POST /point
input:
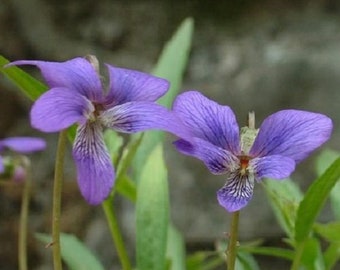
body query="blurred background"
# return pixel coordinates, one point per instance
(262, 55)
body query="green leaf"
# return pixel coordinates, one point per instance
(170, 66)
(202, 260)
(173, 60)
(175, 249)
(324, 160)
(284, 197)
(152, 213)
(126, 187)
(27, 84)
(269, 251)
(74, 253)
(332, 255)
(312, 258)
(113, 142)
(245, 261)
(329, 231)
(314, 200)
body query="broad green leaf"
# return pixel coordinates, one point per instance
(175, 249)
(312, 258)
(152, 213)
(74, 253)
(332, 255)
(324, 160)
(329, 231)
(284, 197)
(170, 66)
(314, 200)
(27, 84)
(269, 251)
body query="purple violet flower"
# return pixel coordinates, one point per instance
(22, 145)
(283, 140)
(76, 95)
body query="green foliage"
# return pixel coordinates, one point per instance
(74, 253)
(314, 200)
(26, 83)
(175, 249)
(170, 66)
(284, 197)
(312, 258)
(325, 159)
(152, 213)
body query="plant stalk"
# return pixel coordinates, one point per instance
(232, 245)
(116, 234)
(23, 222)
(57, 189)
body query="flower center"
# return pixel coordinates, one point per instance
(96, 111)
(244, 162)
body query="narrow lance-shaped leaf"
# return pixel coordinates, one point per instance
(314, 200)
(26, 83)
(175, 249)
(324, 160)
(170, 66)
(74, 253)
(152, 213)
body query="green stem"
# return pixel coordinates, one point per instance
(232, 245)
(58, 184)
(298, 255)
(116, 234)
(22, 243)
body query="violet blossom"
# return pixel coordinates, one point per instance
(284, 139)
(23, 145)
(76, 95)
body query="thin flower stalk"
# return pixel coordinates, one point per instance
(23, 223)
(57, 189)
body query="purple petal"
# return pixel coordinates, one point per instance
(237, 192)
(208, 120)
(23, 144)
(217, 160)
(58, 109)
(276, 167)
(130, 85)
(95, 171)
(133, 117)
(2, 168)
(292, 133)
(76, 74)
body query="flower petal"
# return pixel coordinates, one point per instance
(2, 168)
(136, 116)
(58, 109)
(208, 120)
(292, 133)
(23, 144)
(215, 158)
(76, 74)
(276, 167)
(237, 192)
(130, 85)
(95, 171)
